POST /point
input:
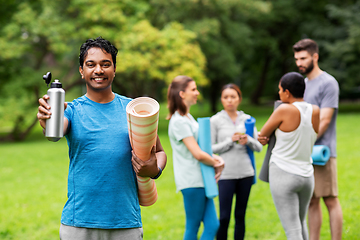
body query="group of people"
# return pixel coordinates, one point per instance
(102, 193)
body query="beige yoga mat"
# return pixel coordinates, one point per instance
(143, 117)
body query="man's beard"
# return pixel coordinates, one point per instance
(307, 69)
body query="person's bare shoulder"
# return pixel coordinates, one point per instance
(286, 108)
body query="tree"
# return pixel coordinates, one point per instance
(344, 49)
(152, 58)
(222, 30)
(327, 22)
(250, 42)
(41, 36)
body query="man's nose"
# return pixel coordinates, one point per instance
(98, 69)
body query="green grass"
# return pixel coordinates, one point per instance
(33, 183)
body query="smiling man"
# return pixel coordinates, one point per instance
(102, 192)
(322, 90)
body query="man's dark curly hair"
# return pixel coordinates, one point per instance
(101, 43)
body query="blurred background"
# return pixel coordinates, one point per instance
(213, 41)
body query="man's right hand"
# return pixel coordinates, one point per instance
(44, 110)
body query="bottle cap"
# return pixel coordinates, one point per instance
(47, 78)
(56, 84)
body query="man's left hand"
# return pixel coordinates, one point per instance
(147, 168)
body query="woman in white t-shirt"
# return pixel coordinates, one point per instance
(296, 124)
(187, 155)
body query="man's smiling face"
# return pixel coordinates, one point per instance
(98, 70)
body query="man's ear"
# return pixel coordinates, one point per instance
(81, 72)
(316, 57)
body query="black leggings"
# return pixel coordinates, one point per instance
(227, 188)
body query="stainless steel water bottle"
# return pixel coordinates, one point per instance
(54, 129)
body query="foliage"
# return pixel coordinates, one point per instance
(214, 41)
(250, 43)
(333, 24)
(41, 36)
(149, 56)
(344, 51)
(222, 30)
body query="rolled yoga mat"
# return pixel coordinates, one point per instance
(208, 172)
(320, 154)
(142, 117)
(264, 171)
(249, 126)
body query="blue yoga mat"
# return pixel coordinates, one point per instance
(320, 154)
(208, 172)
(249, 126)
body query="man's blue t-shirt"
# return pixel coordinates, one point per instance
(102, 187)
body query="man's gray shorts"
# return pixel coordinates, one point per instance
(76, 233)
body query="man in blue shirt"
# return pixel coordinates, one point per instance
(102, 192)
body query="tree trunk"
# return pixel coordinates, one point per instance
(215, 87)
(255, 97)
(17, 134)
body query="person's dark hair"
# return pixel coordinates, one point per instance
(294, 82)
(101, 43)
(306, 44)
(232, 86)
(175, 102)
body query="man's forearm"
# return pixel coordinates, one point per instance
(161, 159)
(322, 128)
(325, 119)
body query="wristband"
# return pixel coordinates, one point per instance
(157, 175)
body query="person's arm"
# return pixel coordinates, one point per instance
(44, 113)
(220, 147)
(216, 146)
(216, 161)
(315, 119)
(325, 119)
(253, 142)
(152, 167)
(196, 151)
(226, 144)
(274, 121)
(160, 155)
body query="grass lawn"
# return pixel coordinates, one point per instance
(33, 183)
